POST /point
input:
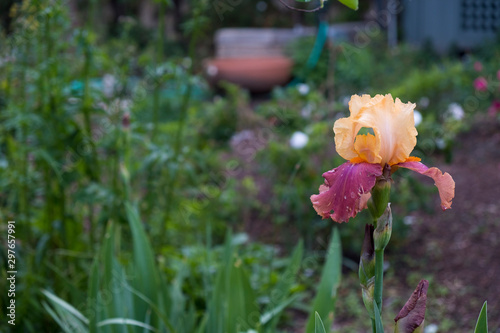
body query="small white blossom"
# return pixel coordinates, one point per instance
(424, 102)
(299, 140)
(306, 111)
(440, 143)
(345, 101)
(212, 70)
(431, 328)
(108, 85)
(303, 88)
(409, 220)
(417, 116)
(456, 111)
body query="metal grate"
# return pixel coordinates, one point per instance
(480, 15)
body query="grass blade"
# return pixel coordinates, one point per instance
(64, 305)
(127, 322)
(324, 302)
(318, 324)
(353, 4)
(482, 320)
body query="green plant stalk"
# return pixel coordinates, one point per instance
(23, 199)
(379, 208)
(180, 129)
(86, 110)
(379, 277)
(159, 59)
(52, 113)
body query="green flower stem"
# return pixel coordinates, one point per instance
(380, 210)
(379, 277)
(172, 181)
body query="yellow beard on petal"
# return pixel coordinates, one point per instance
(366, 148)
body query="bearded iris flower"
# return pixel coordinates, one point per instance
(379, 134)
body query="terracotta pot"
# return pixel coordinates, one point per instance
(254, 74)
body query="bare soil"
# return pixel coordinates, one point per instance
(461, 247)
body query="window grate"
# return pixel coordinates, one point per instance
(480, 15)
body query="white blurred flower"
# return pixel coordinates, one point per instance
(212, 70)
(108, 85)
(456, 111)
(306, 111)
(431, 328)
(424, 102)
(303, 88)
(409, 220)
(417, 116)
(126, 105)
(440, 143)
(299, 140)
(345, 100)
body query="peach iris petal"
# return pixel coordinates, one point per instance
(345, 190)
(365, 146)
(345, 130)
(391, 121)
(444, 182)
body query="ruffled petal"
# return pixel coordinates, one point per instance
(444, 182)
(344, 138)
(346, 130)
(394, 126)
(344, 191)
(392, 123)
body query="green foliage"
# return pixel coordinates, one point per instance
(128, 293)
(482, 320)
(326, 295)
(353, 4)
(319, 327)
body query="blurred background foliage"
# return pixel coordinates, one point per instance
(125, 170)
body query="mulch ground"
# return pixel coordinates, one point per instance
(461, 247)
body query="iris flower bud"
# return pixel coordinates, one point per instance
(383, 231)
(367, 270)
(411, 317)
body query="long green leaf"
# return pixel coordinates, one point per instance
(66, 306)
(56, 317)
(482, 320)
(318, 324)
(282, 289)
(146, 274)
(126, 321)
(326, 295)
(273, 313)
(353, 4)
(93, 295)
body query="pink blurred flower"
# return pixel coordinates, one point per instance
(480, 84)
(478, 66)
(494, 108)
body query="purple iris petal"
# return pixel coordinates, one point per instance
(344, 189)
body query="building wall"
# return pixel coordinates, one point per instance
(464, 23)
